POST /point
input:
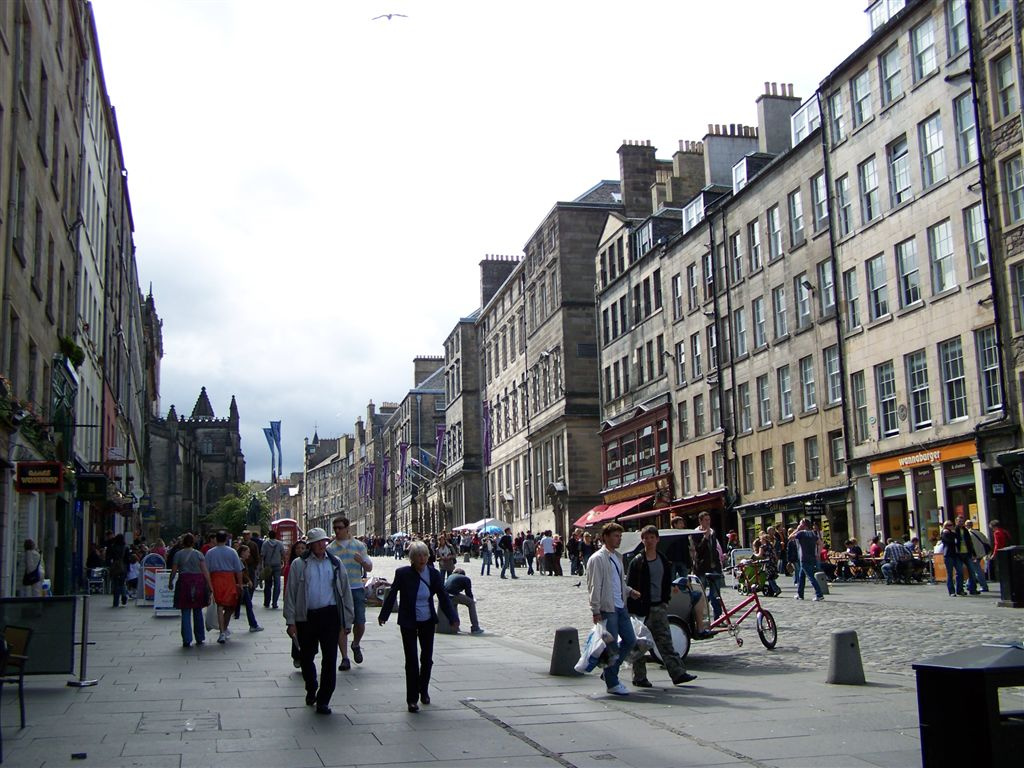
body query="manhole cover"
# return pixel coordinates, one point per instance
(178, 722)
(604, 756)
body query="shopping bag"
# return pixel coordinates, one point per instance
(644, 640)
(211, 617)
(593, 648)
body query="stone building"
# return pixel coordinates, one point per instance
(323, 480)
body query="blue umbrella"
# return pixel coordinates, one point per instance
(492, 529)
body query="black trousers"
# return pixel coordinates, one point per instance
(417, 675)
(320, 631)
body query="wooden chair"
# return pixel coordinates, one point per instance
(13, 669)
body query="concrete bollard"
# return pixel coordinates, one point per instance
(444, 627)
(844, 664)
(565, 652)
(822, 580)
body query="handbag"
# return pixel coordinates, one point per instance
(31, 577)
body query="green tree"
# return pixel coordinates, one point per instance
(237, 511)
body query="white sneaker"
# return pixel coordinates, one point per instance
(619, 690)
(819, 598)
(227, 633)
(222, 638)
(257, 628)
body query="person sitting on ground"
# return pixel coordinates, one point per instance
(460, 588)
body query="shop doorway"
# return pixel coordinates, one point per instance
(895, 521)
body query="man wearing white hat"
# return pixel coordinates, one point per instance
(317, 606)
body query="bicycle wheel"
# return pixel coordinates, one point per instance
(767, 630)
(680, 631)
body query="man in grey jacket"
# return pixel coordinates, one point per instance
(606, 580)
(272, 557)
(317, 605)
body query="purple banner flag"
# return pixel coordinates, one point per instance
(387, 473)
(275, 428)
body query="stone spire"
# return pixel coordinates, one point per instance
(202, 409)
(233, 411)
(172, 415)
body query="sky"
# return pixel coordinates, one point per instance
(313, 189)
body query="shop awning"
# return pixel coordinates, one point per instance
(602, 513)
(642, 515)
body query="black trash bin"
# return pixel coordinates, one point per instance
(958, 707)
(1010, 566)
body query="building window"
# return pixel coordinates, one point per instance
(940, 253)
(698, 415)
(764, 402)
(796, 219)
(695, 354)
(977, 247)
(691, 286)
(677, 297)
(736, 255)
(917, 384)
(718, 467)
(836, 453)
(1013, 184)
(774, 233)
(702, 473)
(878, 291)
(807, 387)
(933, 158)
(683, 417)
(954, 383)
(826, 288)
(860, 97)
(1004, 86)
(995, 7)
(788, 463)
(966, 136)
(833, 376)
(860, 407)
(890, 75)
(819, 201)
(899, 171)
(812, 458)
(922, 44)
(748, 472)
(754, 243)
(779, 309)
(785, 393)
(708, 264)
(680, 356)
(844, 205)
(836, 110)
(684, 473)
(956, 26)
(743, 396)
(767, 469)
(740, 330)
(988, 369)
(802, 291)
(909, 275)
(760, 337)
(867, 178)
(885, 386)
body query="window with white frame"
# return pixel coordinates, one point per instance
(1017, 286)
(956, 26)
(909, 273)
(698, 415)
(767, 469)
(833, 375)
(1013, 187)
(966, 136)
(754, 244)
(774, 233)
(917, 386)
(808, 391)
(748, 472)
(695, 358)
(785, 392)
(977, 246)
(988, 368)
(836, 453)
(1004, 86)
(788, 463)
(718, 468)
(712, 342)
(933, 150)
(760, 332)
(899, 171)
(802, 291)
(922, 47)
(805, 120)
(739, 176)
(684, 471)
(812, 458)
(867, 179)
(940, 254)
(683, 419)
(852, 291)
(680, 356)
(743, 397)
(736, 257)
(878, 289)
(764, 402)
(837, 128)
(796, 218)
(702, 473)
(826, 287)
(779, 310)
(885, 388)
(691, 287)
(740, 331)
(844, 205)
(819, 201)
(890, 75)
(860, 97)
(708, 263)
(995, 7)
(954, 381)
(677, 296)
(858, 391)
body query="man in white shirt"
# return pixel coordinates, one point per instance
(547, 548)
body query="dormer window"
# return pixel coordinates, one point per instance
(805, 120)
(693, 213)
(739, 176)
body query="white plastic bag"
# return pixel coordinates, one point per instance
(644, 639)
(590, 653)
(939, 548)
(212, 622)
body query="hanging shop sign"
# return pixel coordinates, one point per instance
(39, 477)
(91, 486)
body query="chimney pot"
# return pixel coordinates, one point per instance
(774, 86)
(766, 87)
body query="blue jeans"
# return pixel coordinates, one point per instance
(953, 566)
(485, 563)
(272, 586)
(713, 583)
(619, 626)
(974, 576)
(807, 572)
(190, 617)
(508, 564)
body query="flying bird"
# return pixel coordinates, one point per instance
(389, 16)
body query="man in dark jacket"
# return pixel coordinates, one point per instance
(506, 545)
(650, 574)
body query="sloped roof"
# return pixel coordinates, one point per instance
(202, 409)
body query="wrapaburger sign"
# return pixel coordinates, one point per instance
(39, 477)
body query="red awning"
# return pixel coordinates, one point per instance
(604, 512)
(642, 515)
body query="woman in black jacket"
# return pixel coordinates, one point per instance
(117, 568)
(417, 584)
